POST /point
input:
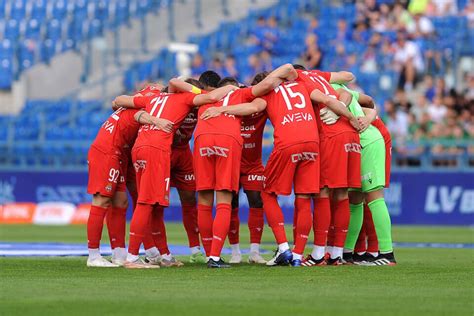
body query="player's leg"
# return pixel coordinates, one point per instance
(205, 220)
(372, 241)
(189, 211)
(341, 216)
(116, 225)
(234, 231)
(303, 226)
(383, 226)
(356, 205)
(282, 183)
(104, 173)
(256, 224)
(220, 228)
(321, 224)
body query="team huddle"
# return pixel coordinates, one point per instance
(330, 149)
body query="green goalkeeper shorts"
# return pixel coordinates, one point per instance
(373, 166)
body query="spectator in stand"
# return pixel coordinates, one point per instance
(397, 121)
(313, 56)
(314, 26)
(469, 12)
(254, 67)
(343, 34)
(442, 8)
(408, 62)
(420, 27)
(420, 108)
(217, 65)
(230, 68)
(360, 34)
(437, 110)
(400, 17)
(197, 66)
(266, 61)
(266, 33)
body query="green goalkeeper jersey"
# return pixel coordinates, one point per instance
(371, 134)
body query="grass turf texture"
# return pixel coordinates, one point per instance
(426, 281)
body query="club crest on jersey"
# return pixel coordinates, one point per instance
(108, 187)
(214, 150)
(139, 164)
(309, 156)
(352, 147)
(296, 117)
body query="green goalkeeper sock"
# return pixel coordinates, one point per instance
(355, 224)
(383, 226)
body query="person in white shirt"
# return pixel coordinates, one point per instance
(408, 61)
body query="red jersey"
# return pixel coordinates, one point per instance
(252, 134)
(315, 79)
(171, 106)
(382, 128)
(185, 131)
(225, 124)
(117, 134)
(291, 113)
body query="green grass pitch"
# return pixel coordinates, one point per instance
(425, 282)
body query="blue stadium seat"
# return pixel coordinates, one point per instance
(18, 10)
(33, 29)
(54, 29)
(38, 10)
(6, 73)
(12, 29)
(27, 54)
(59, 9)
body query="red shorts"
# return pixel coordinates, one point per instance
(340, 161)
(388, 161)
(105, 173)
(293, 166)
(217, 162)
(182, 171)
(251, 177)
(152, 166)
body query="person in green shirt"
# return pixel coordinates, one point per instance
(373, 182)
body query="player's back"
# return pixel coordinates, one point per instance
(118, 132)
(315, 79)
(170, 106)
(224, 124)
(252, 134)
(290, 110)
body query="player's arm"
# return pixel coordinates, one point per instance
(177, 85)
(366, 101)
(336, 106)
(125, 101)
(344, 96)
(365, 121)
(243, 109)
(144, 117)
(341, 77)
(274, 79)
(213, 96)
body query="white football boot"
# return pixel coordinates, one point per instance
(236, 258)
(255, 257)
(100, 262)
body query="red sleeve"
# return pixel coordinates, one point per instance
(246, 95)
(140, 102)
(325, 74)
(188, 98)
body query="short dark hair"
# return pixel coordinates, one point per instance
(209, 78)
(228, 81)
(165, 89)
(259, 77)
(298, 66)
(195, 83)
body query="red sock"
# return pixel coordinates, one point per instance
(330, 241)
(321, 220)
(274, 216)
(220, 228)
(158, 230)
(255, 224)
(139, 227)
(361, 244)
(295, 220)
(372, 242)
(303, 224)
(95, 224)
(341, 222)
(234, 227)
(191, 225)
(116, 225)
(205, 226)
